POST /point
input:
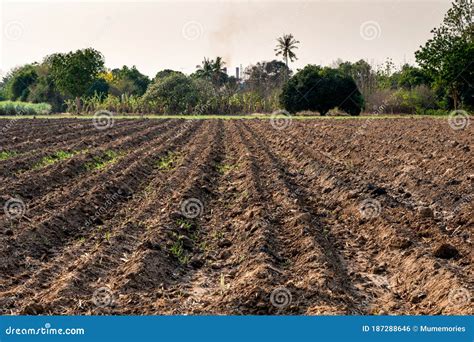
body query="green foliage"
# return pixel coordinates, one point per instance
(102, 161)
(213, 71)
(412, 101)
(44, 91)
(224, 168)
(165, 73)
(448, 56)
(363, 74)
(19, 81)
(129, 81)
(99, 87)
(175, 94)
(177, 250)
(24, 108)
(168, 162)
(184, 223)
(75, 72)
(286, 44)
(266, 78)
(53, 158)
(410, 77)
(118, 104)
(321, 89)
(4, 155)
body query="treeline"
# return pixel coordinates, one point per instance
(79, 82)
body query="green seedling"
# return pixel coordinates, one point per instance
(168, 162)
(4, 155)
(224, 168)
(102, 161)
(184, 224)
(107, 236)
(53, 158)
(178, 251)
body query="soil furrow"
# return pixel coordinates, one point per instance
(43, 235)
(343, 187)
(37, 182)
(107, 243)
(23, 162)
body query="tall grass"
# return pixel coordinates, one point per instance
(237, 103)
(23, 108)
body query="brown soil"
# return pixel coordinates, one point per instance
(320, 217)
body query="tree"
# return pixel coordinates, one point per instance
(165, 73)
(75, 72)
(410, 77)
(362, 73)
(286, 44)
(45, 90)
(99, 88)
(266, 77)
(448, 57)
(321, 89)
(176, 93)
(129, 81)
(19, 81)
(212, 70)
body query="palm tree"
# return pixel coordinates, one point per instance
(285, 47)
(213, 70)
(218, 65)
(206, 69)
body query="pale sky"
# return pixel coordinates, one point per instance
(154, 35)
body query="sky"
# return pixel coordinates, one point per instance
(156, 35)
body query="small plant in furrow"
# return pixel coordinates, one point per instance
(184, 224)
(4, 155)
(54, 158)
(203, 246)
(177, 249)
(102, 161)
(224, 168)
(167, 162)
(107, 236)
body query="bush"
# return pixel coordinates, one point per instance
(24, 108)
(321, 89)
(418, 100)
(19, 82)
(175, 94)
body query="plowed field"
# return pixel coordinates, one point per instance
(236, 217)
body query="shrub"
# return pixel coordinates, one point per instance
(321, 89)
(176, 94)
(24, 108)
(418, 100)
(19, 81)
